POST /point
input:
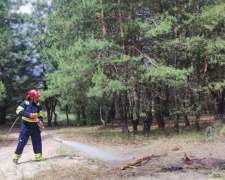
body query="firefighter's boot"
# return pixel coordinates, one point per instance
(38, 157)
(16, 158)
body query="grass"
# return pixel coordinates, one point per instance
(204, 171)
(22, 174)
(54, 168)
(3, 176)
(215, 173)
(1, 138)
(84, 171)
(114, 136)
(62, 150)
(72, 172)
(155, 142)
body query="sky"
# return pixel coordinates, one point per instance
(26, 9)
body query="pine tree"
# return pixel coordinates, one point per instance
(135, 53)
(6, 46)
(16, 66)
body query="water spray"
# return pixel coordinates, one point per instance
(90, 150)
(94, 151)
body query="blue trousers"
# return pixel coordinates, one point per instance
(35, 135)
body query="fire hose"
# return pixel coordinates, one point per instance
(43, 128)
(9, 132)
(46, 131)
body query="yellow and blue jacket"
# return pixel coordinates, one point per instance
(27, 107)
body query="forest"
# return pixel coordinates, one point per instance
(115, 61)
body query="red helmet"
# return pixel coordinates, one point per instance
(33, 93)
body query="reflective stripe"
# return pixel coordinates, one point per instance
(16, 156)
(25, 118)
(28, 119)
(40, 114)
(20, 108)
(35, 114)
(38, 157)
(27, 103)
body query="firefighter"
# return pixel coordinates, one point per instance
(32, 119)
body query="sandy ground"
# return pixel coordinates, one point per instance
(52, 155)
(57, 154)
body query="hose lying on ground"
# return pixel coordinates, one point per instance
(9, 132)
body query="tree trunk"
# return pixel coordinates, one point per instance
(160, 7)
(52, 106)
(176, 120)
(158, 116)
(50, 103)
(67, 115)
(78, 114)
(121, 26)
(198, 94)
(136, 103)
(3, 105)
(55, 120)
(103, 20)
(213, 92)
(112, 112)
(222, 106)
(3, 109)
(119, 113)
(83, 115)
(135, 109)
(186, 121)
(108, 115)
(165, 104)
(124, 103)
(47, 103)
(148, 109)
(120, 104)
(101, 117)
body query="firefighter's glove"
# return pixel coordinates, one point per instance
(33, 116)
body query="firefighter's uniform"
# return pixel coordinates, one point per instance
(29, 127)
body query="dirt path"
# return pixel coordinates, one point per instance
(53, 154)
(59, 158)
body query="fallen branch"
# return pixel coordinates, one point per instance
(187, 159)
(140, 160)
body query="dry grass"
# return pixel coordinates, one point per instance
(138, 145)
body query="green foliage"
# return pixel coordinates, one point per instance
(213, 15)
(219, 85)
(2, 91)
(192, 44)
(156, 45)
(155, 27)
(222, 131)
(165, 73)
(216, 49)
(17, 61)
(215, 130)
